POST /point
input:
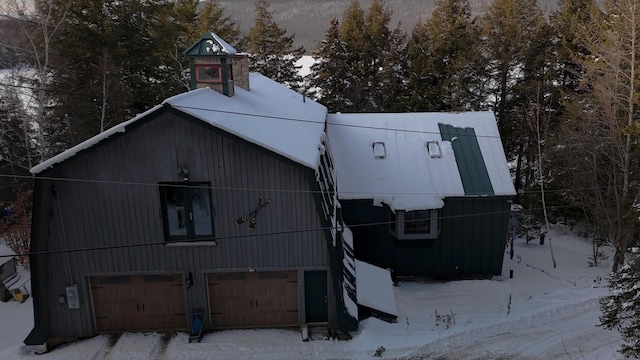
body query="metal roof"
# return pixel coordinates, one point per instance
(427, 157)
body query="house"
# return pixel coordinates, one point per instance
(8, 272)
(207, 203)
(225, 205)
(425, 194)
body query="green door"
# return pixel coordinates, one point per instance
(315, 295)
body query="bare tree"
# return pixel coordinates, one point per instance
(603, 137)
(38, 22)
(538, 121)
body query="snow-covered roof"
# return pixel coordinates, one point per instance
(210, 44)
(386, 157)
(225, 46)
(6, 254)
(375, 288)
(270, 115)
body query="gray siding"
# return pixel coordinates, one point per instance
(115, 219)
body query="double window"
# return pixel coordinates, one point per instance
(415, 225)
(187, 211)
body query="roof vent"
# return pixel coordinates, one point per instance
(433, 147)
(379, 151)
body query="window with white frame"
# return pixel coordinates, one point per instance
(415, 225)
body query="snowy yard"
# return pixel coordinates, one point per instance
(542, 313)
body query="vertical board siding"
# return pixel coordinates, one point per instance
(120, 207)
(471, 241)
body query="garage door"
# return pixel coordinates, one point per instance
(138, 302)
(253, 299)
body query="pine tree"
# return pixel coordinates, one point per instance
(386, 50)
(568, 24)
(446, 69)
(17, 150)
(352, 32)
(362, 62)
(212, 17)
(117, 58)
(270, 51)
(109, 54)
(180, 25)
(516, 46)
(327, 79)
(621, 308)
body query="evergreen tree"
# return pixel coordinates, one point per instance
(621, 308)
(386, 50)
(212, 17)
(568, 23)
(362, 62)
(17, 150)
(327, 79)
(109, 53)
(117, 58)
(181, 24)
(352, 32)
(445, 64)
(270, 51)
(517, 52)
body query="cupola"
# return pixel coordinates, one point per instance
(214, 63)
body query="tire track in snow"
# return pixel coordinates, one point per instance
(515, 338)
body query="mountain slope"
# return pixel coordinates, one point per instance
(309, 19)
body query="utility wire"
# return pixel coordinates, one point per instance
(332, 124)
(293, 119)
(231, 237)
(235, 188)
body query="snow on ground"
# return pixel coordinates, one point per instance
(541, 313)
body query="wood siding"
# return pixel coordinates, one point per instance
(107, 206)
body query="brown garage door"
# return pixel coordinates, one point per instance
(138, 302)
(253, 299)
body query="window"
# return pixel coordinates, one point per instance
(415, 225)
(208, 73)
(187, 211)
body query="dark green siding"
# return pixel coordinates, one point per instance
(471, 241)
(473, 171)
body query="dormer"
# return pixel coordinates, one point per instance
(212, 61)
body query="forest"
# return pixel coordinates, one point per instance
(564, 85)
(309, 19)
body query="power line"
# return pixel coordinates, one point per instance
(235, 188)
(293, 119)
(339, 125)
(286, 118)
(231, 237)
